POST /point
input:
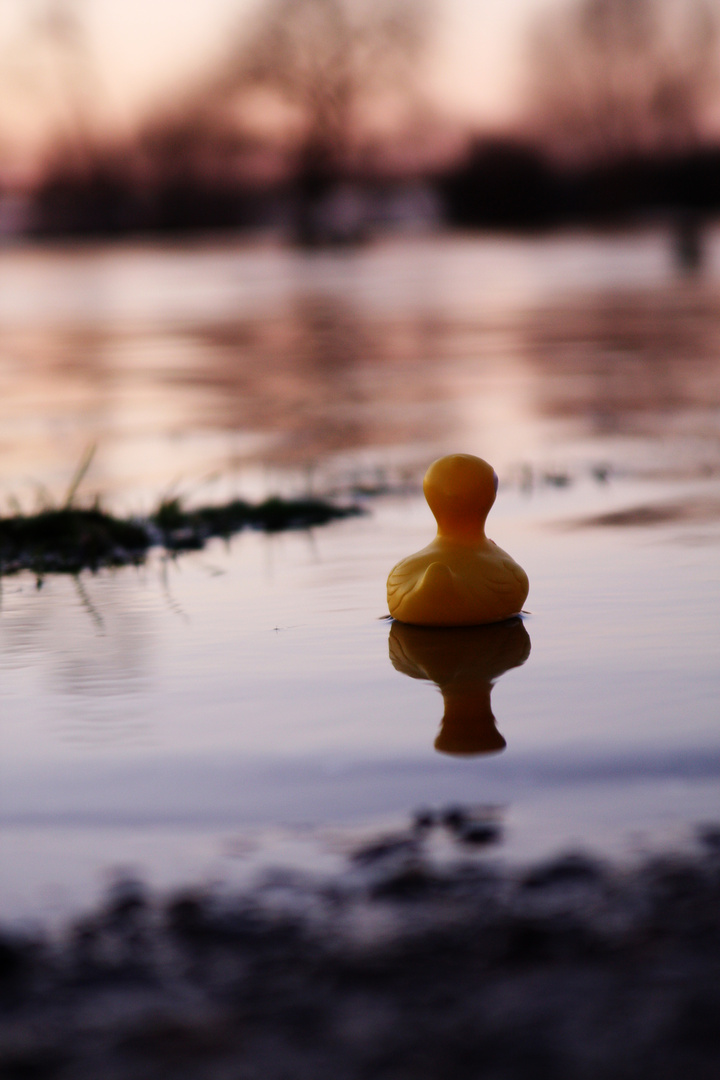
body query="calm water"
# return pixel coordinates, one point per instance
(201, 717)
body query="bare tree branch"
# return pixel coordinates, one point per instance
(611, 78)
(334, 65)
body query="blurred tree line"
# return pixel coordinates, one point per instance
(306, 113)
(621, 99)
(316, 119)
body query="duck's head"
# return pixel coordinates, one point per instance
(460, 489)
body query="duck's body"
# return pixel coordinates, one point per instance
(450, 584)
(461, 578)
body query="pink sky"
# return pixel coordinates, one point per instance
(142, 49)
(141, 44)
(480, 43)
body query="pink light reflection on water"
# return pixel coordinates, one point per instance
(150, 713)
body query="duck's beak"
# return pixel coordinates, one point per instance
(495, 480)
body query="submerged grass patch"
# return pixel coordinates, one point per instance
(180, 528)
(70, 538)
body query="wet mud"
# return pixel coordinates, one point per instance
(395, 969)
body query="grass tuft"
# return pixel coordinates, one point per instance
(70, 538)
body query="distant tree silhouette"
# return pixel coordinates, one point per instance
(501, 183)
(613, 79)
(48, 76)
(337, 73)
(83, 171)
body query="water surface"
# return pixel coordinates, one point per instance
(200, 716)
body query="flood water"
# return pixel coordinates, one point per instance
(205, 716)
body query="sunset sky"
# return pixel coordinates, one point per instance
(145, 42)
(142, 50)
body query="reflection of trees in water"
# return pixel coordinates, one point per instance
(61, 387)
(319, 376)
(91, 649)
(73, 353)
(323, 378)
(622, 362)
(327, 373)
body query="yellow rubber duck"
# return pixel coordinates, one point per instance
(461, 578)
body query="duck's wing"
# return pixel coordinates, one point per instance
(404, 576)
(428, 596)
(503, 576)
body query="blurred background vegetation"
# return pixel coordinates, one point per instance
(318, 120)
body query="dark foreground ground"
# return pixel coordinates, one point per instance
(397, 970)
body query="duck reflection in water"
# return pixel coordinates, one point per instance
(464, 662)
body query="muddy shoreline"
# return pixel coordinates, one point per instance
(395, 969)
